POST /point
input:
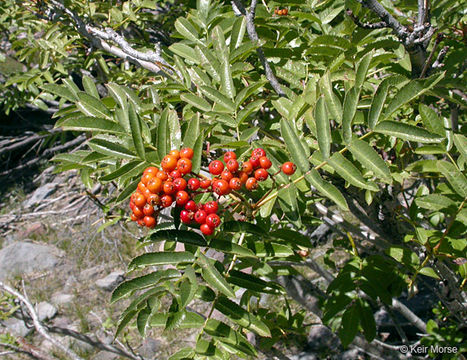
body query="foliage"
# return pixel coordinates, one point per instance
(361, 128)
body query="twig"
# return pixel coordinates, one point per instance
(253, 35)
(395, 25)
(37, 324)
(409, 315)
(27, 349)
(422, 12)
(356, 20)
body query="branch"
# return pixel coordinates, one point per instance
(253, 35)
(422, 12)
(37, 324)
(356, 20)
(391, 22)
(439, 60)
(409, 315)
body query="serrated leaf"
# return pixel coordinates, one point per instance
(252, 282)
(126, 193)
(187, 292)
(209, 62)
(246, 92)
(411, 91)
(428, 271)
(323, 128)
(231, 248)
(430, 150)
(192, 132)
(242, 317)
(185, 52)
(90, 87)
(252, 107)
(183, 236)
(362, 70)
(367, 321)
(61, 91)
(350, 107)
(294, 145)
(461, 144)
(142, 282)
(291, 237)
(214, 278)
(196, 101)
(455, 178)
(334, 106)
(349, 172)
(161, 258)
(431, 120)
(349, 325)
(111, 148)
(163, 135)
(434, 202)
(118, 94)
(242, 227)
(142, 320)
(228, 87)
(175, 138)
(120, 171)
(197, 153)
(238, 32)
(327, 189)
(124, 321)
(91, 106)
(227, 335)
(135, 127)
(270, 249)
(218, 98)
(87, 123)
(186, 29)
(407, 132)
(369, 158)
(185, 353)
(190, 321)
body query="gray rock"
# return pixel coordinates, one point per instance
(92, 272)
(40, 194)
(35, 229)
(62, 299)
(23, 257)
(322, 338)
(352, 354)
(104, 355)
(111, 281)
(45, 311)
(17, 327)
(149, 348)
(304, 356)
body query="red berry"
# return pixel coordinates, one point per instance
(149, 221)
(193, 184)
(221, 187)
(175, 153)
(243, 176)
(169, 188)
(264, 162)
(139, 200)
(206, 229)
(289, 168)
(140, 222)
(261, 174)
(141, 187)
(247, 167)
(232, 165)
(169, 163)
(133, 217)
(213, 220)
(166, 200)
(162, 175)
(229, 155)
(186, 216)
(148, 210)
(251, 183)
(205, 183)
(254, 160)
(153, 199)
(151, 170)
(132, 205)
(155, 185)
(138, 212)
(258, 152)
(180, 184)
(186, 153)
(200, 216)
(146, 178)
(211, 207)
(235, 183)
(175, 174)
(191, 206)
(182, 198)
(216, 167)
(226, 175)
(184, 165)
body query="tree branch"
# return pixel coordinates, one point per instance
(356, 20)
(253, 35)
(379, 10)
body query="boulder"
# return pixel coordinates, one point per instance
(22, 257)
(322, 338)
(111, 281)
(62, 299)
(17, 327)
(45, 311)
(40, 194)
(149, 348)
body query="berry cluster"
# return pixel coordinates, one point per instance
(281, 12)
(160, 188)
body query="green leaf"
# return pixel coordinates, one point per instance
(124, 321)
(197, 153)
(110, 148)
(238, 32)
(270, 249)
(183, 236)
(175, 139)
(407, 132)
(434, 202)
(213, 277)
(349, 172)
(192, 132)
(61, 91)
(461, 144)
(187, 292)
(126, 193)
(362, 70)
(218, 98)
(411, 91)
(90, 87)
(227, 335)
(334, 106)
(245, 93)
(430, 150)
(191, 320)
(91, 106)
(120, 171)
(231, 248)
(226, 79)
(87, 123)
(291, 237)
(185, 52)
(294, 146)
(242, 317)
(455, 178)
(142, 282)
(323, 128)
(428, 271)
(251, 282)
(142, 320)
(327, 189)
(161, 258)
(350, 107)
(367, 322)
(196, 101)
(209, 62)
(349, 326)
(135, 126)
(183, 354)
(369, 158)
(251, 108)
(163, 135)
(220, 46)
(242, 227)
(184, 27)
(431, 120)
(118, 94)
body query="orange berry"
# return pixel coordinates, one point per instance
(251, 183)
(289, 168)
(151, 170)
(226, 175)
(169, 163)
(175, 153)
(146, 178)
(166, 200)
(149, 221)
(162, 175)
(138, 212)
(155, 185)
(184, 165)
(186, 153)
(139, 200)
(153, 199)
(169, 188)
(235, 183)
